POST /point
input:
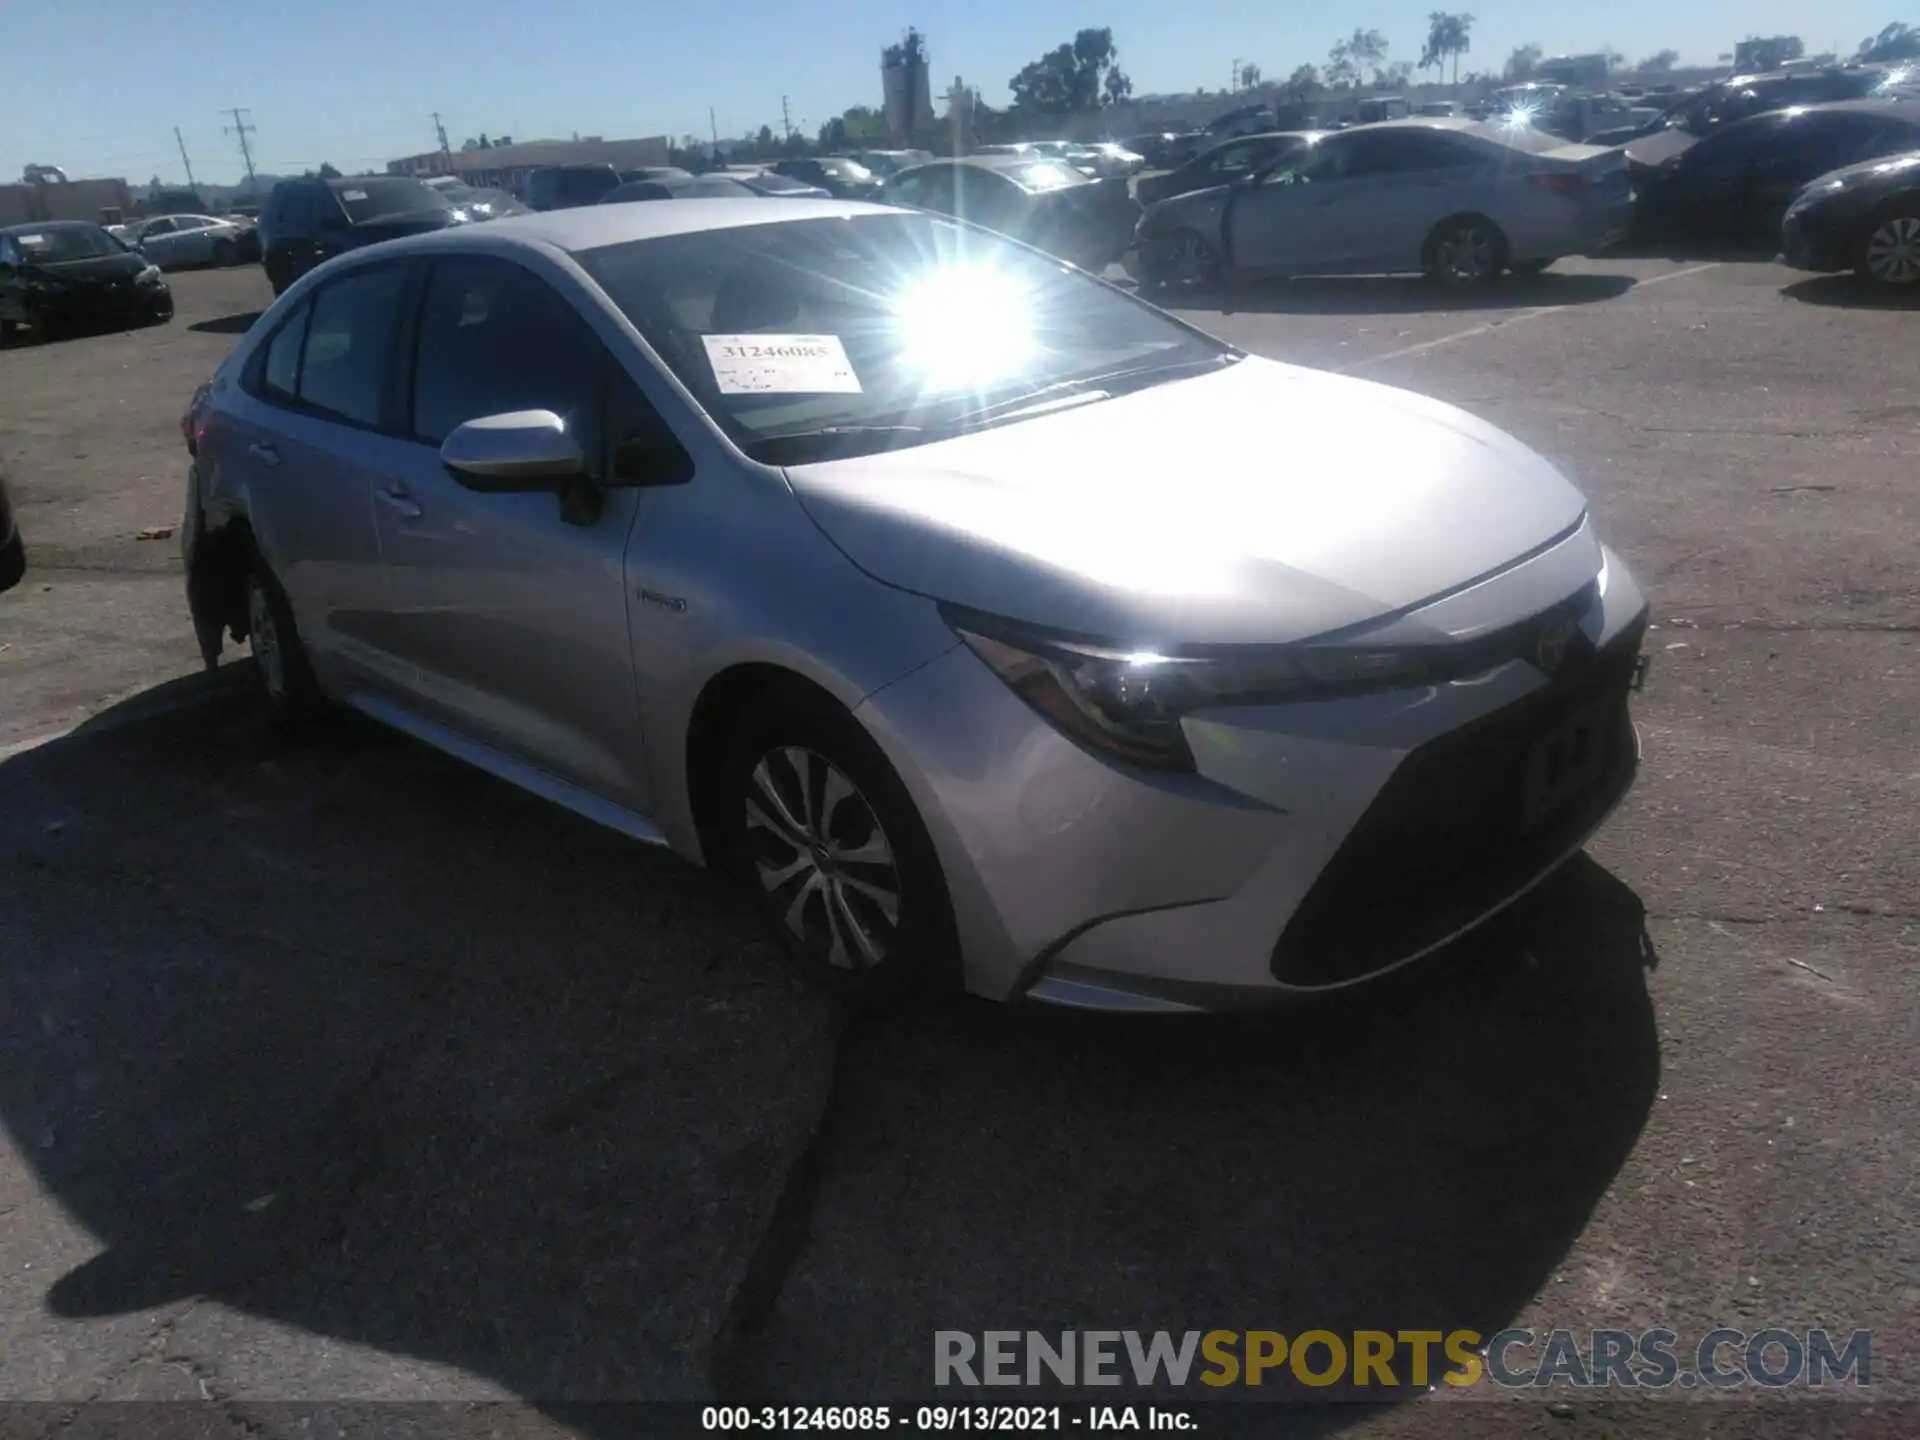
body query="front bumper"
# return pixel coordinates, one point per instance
(1320, 844)
(100, 305)
(1809, 243)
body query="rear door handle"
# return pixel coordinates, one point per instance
(265, 454)
(401, 501)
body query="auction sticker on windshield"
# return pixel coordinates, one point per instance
(781, 365)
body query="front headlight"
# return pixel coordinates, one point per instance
(148, 276)
(1129, 703)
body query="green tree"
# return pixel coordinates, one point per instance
(327, 172)
(1082, 75)
(1895, 42)
(1301, 84)
(1659, 63)
(909, 55)
(1521, 63)
(1448, 37)
(1249, 75)
(1352, 59)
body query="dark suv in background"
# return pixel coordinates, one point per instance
(561, 187)
(306, 222)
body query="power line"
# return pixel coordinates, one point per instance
(183, 158)
(241, 128)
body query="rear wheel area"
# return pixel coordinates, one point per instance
(815, 824)
(287, 683)
(1465, 253)
(225, 254)
(1887, 254)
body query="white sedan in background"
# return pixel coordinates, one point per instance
(173, 241)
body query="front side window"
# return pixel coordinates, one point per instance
(824, 337)
(349, 345)
(495, 338)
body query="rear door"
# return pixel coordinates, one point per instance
(1401, 183)
(513, 615)
(1816, 143)
(310, 427)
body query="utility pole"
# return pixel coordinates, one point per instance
(183, 158)
(1233, 76)
(786, 118)
(441, 131)
(243, 129)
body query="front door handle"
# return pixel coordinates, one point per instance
(265, 454)
(401, 501)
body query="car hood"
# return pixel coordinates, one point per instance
(95, 269)
(1661, 146)
(1261, 503)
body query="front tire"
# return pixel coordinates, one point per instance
(1466, 253)
(816, 825)
(292, 695)
(1183, 262)
(1527, 269)
(1887, 255)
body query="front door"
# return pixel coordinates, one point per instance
(513, 614)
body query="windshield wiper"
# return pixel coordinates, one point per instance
(830, 438)
(1113, 382)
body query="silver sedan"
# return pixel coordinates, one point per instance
(1461, 200)
(959, 606)
(175, 241)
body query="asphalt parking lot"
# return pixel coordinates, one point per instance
(339, 1072)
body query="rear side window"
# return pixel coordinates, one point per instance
(280, 375)
(349, 345)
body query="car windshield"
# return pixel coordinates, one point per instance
(66, 242)
(846, 169)
(378, 196)
(1045, 175)
(820, 338)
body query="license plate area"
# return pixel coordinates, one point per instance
(1565, 762)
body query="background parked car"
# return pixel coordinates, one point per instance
(1705, 110)
(691, 187)
(63, 274)
(1864, 218)
(778, 187)
(1461, 200)
(1738, 181)
(478, 203)
(13, 550)
(1043, 202)
(840, 177)
(890, 162)
(1225, 163)
(559, 187)
(307, 222)
(175, 241)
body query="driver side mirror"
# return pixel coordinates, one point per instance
(517, 451)
(522, 451)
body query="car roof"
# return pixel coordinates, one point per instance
(590, 227)
(40, 227)
(995, 162)
(1900, 108)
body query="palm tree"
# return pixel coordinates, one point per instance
(1447, 37)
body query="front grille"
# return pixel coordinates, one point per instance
(1449, 837)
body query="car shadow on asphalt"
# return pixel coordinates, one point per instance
(227, 324)
(1412, 295)
(1417, 1154)
(346, 1036)
(1848, 292)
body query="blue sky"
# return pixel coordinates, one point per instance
(96, 86)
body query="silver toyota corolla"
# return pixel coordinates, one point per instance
(993, 626)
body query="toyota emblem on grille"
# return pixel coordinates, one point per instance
(1550, 650)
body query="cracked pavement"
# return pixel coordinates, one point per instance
(338, 1072)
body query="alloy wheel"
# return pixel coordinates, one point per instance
(265, 636)
(1465, 255)
(1186, 260)
(1893, 251)
(821, 855)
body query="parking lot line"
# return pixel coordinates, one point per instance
(1510, 320)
